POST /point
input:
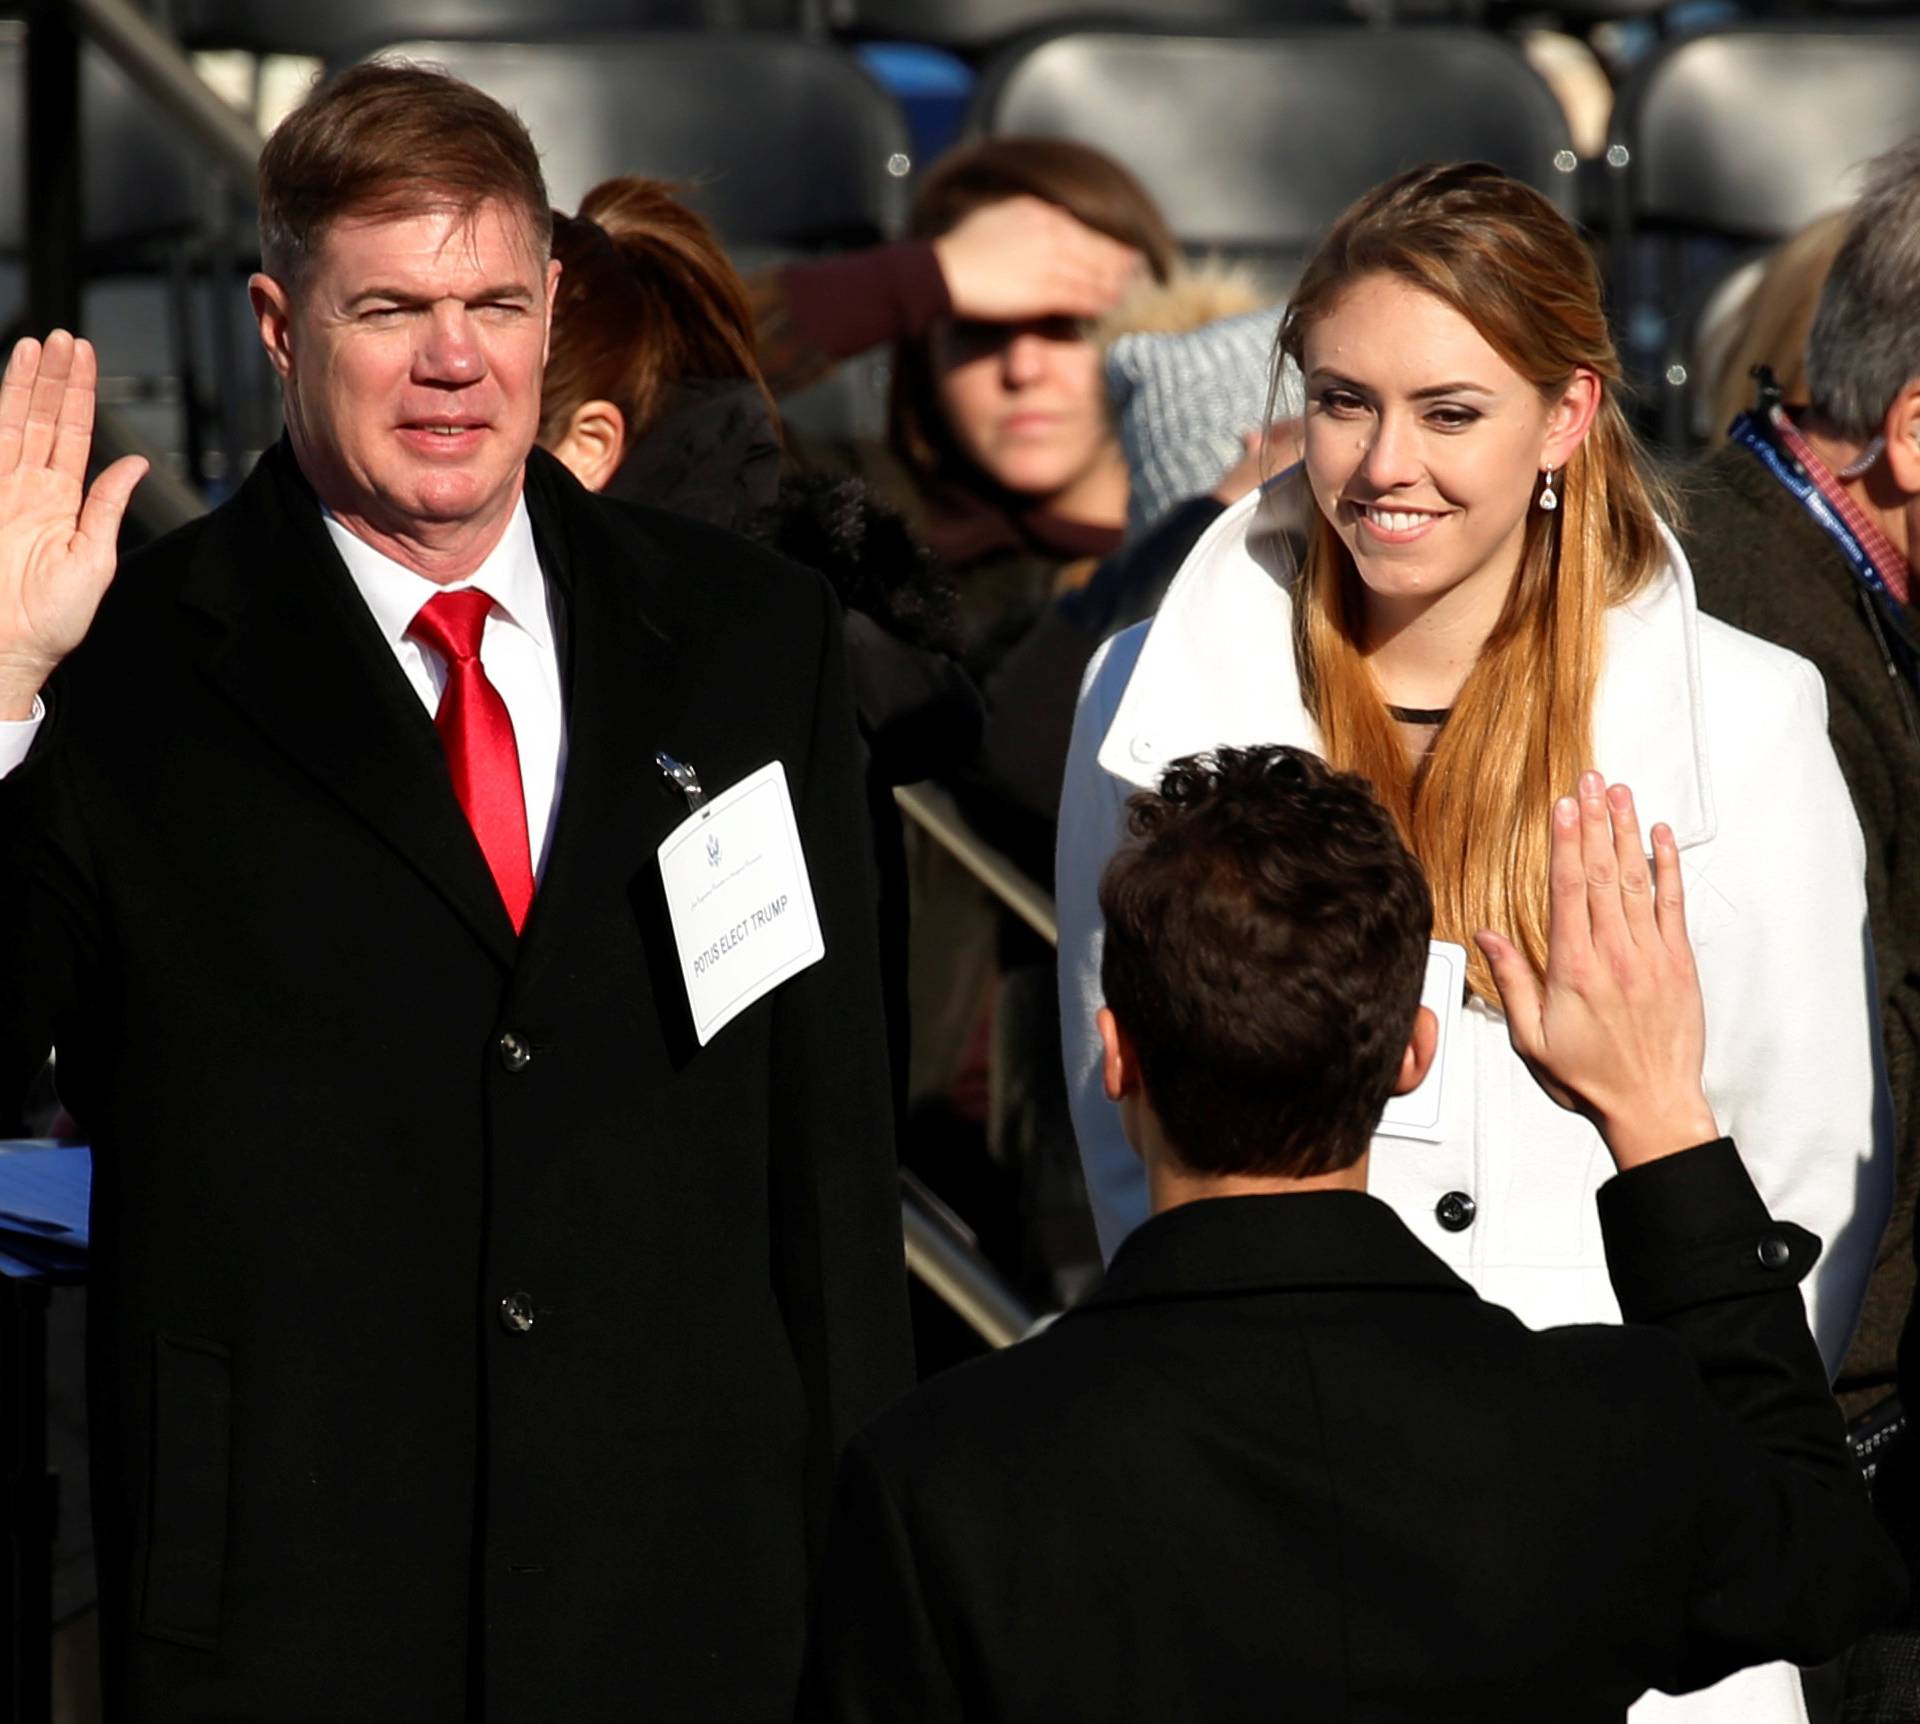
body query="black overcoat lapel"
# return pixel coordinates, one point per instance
(299, 654)
(619, 666)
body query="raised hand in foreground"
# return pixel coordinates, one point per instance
(57, 538)
(1617, 1031)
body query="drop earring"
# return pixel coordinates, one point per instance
(1548, 500)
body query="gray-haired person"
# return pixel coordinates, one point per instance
(1803, 529)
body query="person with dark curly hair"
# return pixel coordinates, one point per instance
(1285, 1463)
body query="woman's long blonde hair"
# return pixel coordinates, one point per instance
(1476, 813)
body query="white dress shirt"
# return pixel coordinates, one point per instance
(516, 651)
(16, 737)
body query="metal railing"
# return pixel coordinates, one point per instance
(935, 812)
(163, 501)
(942, 1256)
(155, 63)
(945, 1258)
(158, 64)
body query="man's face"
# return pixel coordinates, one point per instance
(411, 349)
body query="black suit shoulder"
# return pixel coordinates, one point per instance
(1077, 1382)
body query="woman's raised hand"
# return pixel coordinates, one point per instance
(57, 537)
(1025, 258)
(1617, 1032)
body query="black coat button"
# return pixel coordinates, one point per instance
(516, 1053)
(516, 1313)
(1455, 1211)
(1774, 1252)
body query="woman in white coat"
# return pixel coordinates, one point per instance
(1488, 603)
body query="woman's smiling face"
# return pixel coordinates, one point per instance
(1423, 446)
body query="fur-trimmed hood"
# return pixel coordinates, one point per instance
(1198, 294)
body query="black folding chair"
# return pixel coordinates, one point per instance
(336, 29)
(1252, 141)
(1729, 141)
(779, 141)
(976, 27)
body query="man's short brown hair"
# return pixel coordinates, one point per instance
(1266, 945)
(391, 139)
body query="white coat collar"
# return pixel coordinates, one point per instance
(1217, 666)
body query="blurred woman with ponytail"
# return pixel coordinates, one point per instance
(653, 393)
(652, 390)
(1489, 603)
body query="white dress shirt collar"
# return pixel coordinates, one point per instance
(510, 576)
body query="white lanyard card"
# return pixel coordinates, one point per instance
(737, 893)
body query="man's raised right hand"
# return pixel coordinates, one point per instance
(57, 537)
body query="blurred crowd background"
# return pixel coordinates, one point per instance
(1689, 138)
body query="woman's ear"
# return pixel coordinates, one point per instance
(1571, 417)
(593, 443)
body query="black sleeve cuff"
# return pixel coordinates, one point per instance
(1690, 1229)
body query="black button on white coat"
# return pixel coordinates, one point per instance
(516, 1313)
(1455, 1211)
(515, 1051)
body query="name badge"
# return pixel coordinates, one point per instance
(737, 893)
(1421, 1113)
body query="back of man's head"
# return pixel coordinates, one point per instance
(388, 139)
(1864, 347)
(1266, 944)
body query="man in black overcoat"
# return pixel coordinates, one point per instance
(1284, 1463)
(469, 1339)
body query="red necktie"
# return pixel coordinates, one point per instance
(477, 734)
